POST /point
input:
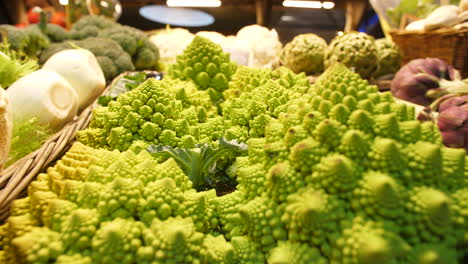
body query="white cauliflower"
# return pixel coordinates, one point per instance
(171, 42)
(265, 45)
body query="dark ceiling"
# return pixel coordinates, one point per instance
(235, 14)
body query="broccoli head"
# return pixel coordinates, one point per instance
(29, 40)
(144, 53)
(90, 26)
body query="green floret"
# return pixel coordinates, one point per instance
(386, 155)
(218, 250)
(120, 198)
(118, 240)
(90, 26)
(56, 213)
(251, 180)
(174, 240)
(110, 56)
(246, 79)
(311, 216)
(336, 174)
(294, 82)
(170, 169)
(367, 242)
(261, 218)
(207, 65)
(40, 245)
(79, 229)
(227, 211)
(305, 154)
(425, 163)
(379, 196)
(282, 180)
(295, 253)
(20, 206)
(162, 199)
(246, 251)
(428, 217)
(197, 206)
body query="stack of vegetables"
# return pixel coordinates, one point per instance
(370, 58)
(336, 172)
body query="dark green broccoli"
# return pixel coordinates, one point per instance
(54, 32)
(110, 56)
(90, 26)
(143, 52)
(147, 56)
(29, 40)
(128, 38)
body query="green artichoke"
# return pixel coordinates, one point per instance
(304, 54)
(389, 57)
(355, 50)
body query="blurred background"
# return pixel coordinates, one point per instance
(325, 18)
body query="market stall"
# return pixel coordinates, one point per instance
(178, 145)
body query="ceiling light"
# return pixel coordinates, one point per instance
(63, 2)
(328, 5)
(193, 3)
(304, 4)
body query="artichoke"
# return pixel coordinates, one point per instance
(354, 50)
(304, 54)
(389, 57)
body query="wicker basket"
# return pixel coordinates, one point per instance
(15, 179)
(450, 45)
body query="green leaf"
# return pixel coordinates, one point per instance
(199, 163)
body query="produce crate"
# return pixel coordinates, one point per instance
(15, 179)
(450, 45)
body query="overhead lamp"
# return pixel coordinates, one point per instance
(308, 4)
(303, 4)
(328, 5)
(193, 3)
(63, 2)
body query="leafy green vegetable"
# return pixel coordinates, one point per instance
(200, 163)
(13, 65)
(27, 137)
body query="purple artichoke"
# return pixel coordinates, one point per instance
(422, 81)
(453, 122)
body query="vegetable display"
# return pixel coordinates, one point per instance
(336, 172)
